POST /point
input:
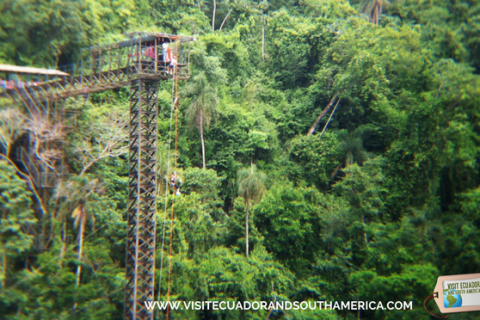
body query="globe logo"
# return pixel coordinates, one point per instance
(451, 299)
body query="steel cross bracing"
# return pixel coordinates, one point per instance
(142, 185)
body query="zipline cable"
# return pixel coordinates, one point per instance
(166, 192)
(175, 81)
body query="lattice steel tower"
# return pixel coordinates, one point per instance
(142, 191)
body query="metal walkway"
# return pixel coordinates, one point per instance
(105, 67)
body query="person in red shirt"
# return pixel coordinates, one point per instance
(150, 53)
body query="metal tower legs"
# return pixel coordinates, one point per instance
(142, 187)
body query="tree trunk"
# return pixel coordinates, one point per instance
(3, 266)
(364, 231)
(246, 230)
(214, 12)
(349, 159)
(203, 141)
(263, 40)
(329, 118)
(3, 263)
(64, 242)
(80, 244)
(28, 180)
(221, 26)
(324, 112)
(335, 171)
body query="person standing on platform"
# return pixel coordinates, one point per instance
(165, 52)
(150, 52)
(172, 65)
(169, 53)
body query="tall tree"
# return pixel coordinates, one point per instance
(78, 191)
(251, 186)
(202, 91)
(214, 13)
(351, 145)
(105, 138)
(373, 8)
(80, 216)
(202, 109)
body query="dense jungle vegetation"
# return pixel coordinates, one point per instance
(374, 208)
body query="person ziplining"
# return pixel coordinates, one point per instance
(175, 182)
(373, 9)
(173, 179)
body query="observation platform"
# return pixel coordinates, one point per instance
(99, 68)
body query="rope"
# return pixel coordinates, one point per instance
(175, 81)
(166, 193)
(157, 166)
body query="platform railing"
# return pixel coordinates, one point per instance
(101, 68)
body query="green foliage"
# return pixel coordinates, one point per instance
(47, 30)
(362, 188)
(205, 182)
(203, 223)
(202, 93)
(290, 51)
(447, 26)
(251, 184)
(17, 218)
(222, 275)
(376, 208)
(289, 219)
(236, 237)
(316, 157)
